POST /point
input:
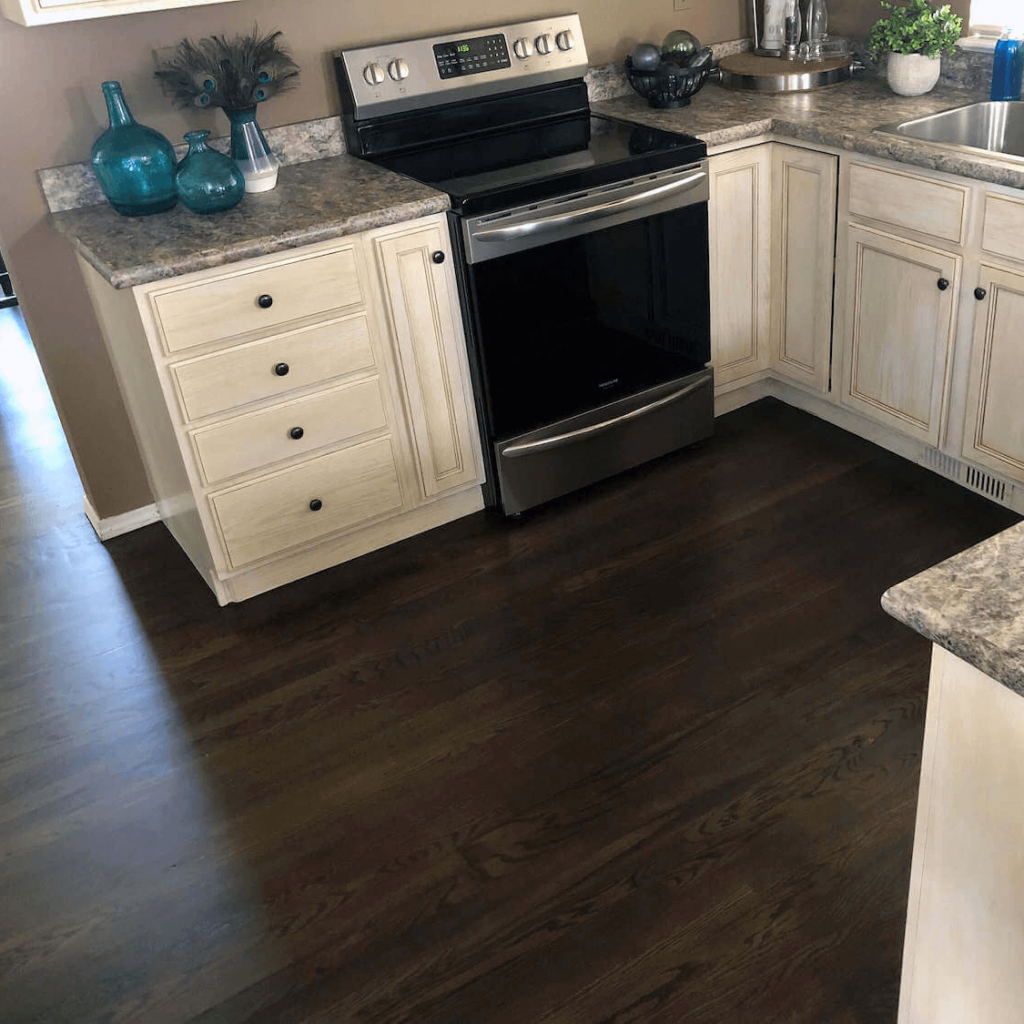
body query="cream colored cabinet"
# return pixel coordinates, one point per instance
(739, 228)
(994, 420)
(900, 322)
(772, 219)
(423, 312)
(803, 261)
(300, 409)
(45, 12)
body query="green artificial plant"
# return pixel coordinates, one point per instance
(917, 28)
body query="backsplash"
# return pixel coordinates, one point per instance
(965, 69)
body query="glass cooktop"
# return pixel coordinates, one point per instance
(510, 167)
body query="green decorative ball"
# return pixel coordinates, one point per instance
(682, 42)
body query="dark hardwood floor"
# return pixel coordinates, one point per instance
(649, 755)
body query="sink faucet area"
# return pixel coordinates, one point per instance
(993, 127)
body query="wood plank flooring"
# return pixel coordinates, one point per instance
(649, 755)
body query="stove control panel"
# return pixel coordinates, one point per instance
(417, 73)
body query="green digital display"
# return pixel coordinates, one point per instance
(463, 47)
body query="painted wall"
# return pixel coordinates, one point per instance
(855, 17)
(53, 111)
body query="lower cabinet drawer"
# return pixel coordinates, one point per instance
(289, 429)
(271, 366)
(308, 501)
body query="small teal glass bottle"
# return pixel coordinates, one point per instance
(134, 164)
(1007, 67)
(208, 181)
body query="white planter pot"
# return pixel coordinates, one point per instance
(910, 74)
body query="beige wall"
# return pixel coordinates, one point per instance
(53, 111)
(855, 17)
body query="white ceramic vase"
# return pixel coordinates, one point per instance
(911, 74)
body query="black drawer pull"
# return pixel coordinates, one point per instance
(315, 505)
(282, 369)
(943, 284)
(265, 301)
(438, 257)
(980, 293)
(296, 433)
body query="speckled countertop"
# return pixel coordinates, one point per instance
(841, 116)
(313, 201)
(973, 605)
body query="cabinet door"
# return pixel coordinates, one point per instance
(416, 269)
(994, 427)
(804, 232)
(739, 224)
(899, 322)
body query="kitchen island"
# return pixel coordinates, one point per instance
(965, 939)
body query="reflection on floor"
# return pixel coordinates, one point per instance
(650, 754)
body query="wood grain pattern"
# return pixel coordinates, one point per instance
(650, 754)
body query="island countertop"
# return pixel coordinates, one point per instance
(972, 605)
(313, 201)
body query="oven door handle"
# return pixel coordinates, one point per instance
(533, 227)
(517, 451)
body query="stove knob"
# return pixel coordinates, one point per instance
(398, 69)
(373, 74)
(564, 40)
(523, 48)
(544, 44)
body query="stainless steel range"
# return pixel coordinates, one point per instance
(583, 247)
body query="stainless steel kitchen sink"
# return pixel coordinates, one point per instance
(996, 128)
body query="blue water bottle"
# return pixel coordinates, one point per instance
(1006, 69)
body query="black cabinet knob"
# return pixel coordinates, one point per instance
(315, 505)
(282, 369)
(438, 257)
(265, 301)
(943, 284)
(980, 293)
(296, 433)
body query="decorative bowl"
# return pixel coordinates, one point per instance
(669, 85)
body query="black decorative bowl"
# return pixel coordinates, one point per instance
(670, 85)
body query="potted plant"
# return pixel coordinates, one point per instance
(914, 36)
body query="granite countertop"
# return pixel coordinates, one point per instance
(840, 116)
(973, 605)
(313, 201)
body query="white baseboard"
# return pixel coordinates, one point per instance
(114, 526)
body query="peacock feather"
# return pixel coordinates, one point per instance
(235, 72)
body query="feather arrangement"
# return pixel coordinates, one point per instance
(232, 73)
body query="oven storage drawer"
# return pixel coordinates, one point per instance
(555, 460)
(308, 501)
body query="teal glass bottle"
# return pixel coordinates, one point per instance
(134, 164)
(208, 181)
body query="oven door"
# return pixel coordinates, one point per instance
(589, 325)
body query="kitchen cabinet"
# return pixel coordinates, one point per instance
(300, 409)
(45, 12)
(772, 244)
(900, 320)
(993, 433)
(739, 225)
(803, 203)
(902, 247)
